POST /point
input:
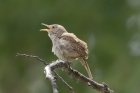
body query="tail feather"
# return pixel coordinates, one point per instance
(85, 64)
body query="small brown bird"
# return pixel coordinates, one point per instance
(66, 46)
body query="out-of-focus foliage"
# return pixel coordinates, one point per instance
(111, 28)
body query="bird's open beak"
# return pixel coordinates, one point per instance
(47, 30)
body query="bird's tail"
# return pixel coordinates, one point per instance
(85, 64)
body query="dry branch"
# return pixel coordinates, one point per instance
(102, 88)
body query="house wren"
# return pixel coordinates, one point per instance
(66, 46)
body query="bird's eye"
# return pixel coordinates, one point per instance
(53, 26)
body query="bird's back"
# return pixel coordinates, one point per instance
(73, 44)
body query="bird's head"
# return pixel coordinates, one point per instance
(54, 30)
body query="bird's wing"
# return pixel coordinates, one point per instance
(74, 43)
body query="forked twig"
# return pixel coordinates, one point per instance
(103, 88)
(45, 63)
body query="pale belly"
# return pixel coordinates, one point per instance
(58, 52)
(64, 54)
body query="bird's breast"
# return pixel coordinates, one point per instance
(58, 52)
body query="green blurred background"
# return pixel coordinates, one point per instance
(111, 29)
